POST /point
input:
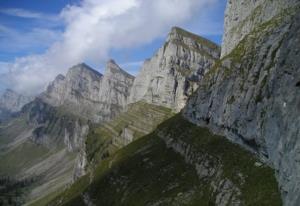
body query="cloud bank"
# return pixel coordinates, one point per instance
(92, 29)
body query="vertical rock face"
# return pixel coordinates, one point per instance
(88, 93)
(12, 101)
(168, 78)
(115, 90)
(242, 16)
(78, 92)
(252, 95)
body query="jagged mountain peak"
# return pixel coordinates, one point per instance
(168, 78)
(88, 93)
(179, 35)
(59, 77)
(112, 67)
(83, 68)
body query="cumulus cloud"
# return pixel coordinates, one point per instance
(93, 28)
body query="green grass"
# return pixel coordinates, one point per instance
(147, 172)
(260, 185)
(141, 118)
(23, 156)
(10, 130)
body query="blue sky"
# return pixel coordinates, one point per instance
(34, 32)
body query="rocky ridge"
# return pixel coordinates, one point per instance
(173, 73)
(252, 95)
(85, 92)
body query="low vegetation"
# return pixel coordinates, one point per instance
(149, 172)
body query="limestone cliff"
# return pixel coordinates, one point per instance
(252, 95)
(87, 93)
(242, 16)
(78, 91)
(173, 73)
(115, 90)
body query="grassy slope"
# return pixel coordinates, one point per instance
(146, 172)
(23, 156)
(51, 167)
(140, 118)
(10, 130)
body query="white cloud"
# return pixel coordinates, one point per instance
(22, 13)
(95, 27)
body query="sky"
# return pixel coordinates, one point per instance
(41, 39)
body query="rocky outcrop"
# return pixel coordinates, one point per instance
(87, 93)
(12, 102)
(78, 92)
(168, 78)
(252, 95)
(242, 16)
(115, 90)
(55, 128)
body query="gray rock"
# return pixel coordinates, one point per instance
(89, 94)
(242, 16)
(252, 96)
(173, 73)
(115, 90)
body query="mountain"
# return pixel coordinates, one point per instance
(113, 139)
(115, 90)
(104, 140)
(252, 94)
(178, 163)
(173, 73)
(11, 102)
(242, 17)
(41, 145)
(87, 93)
